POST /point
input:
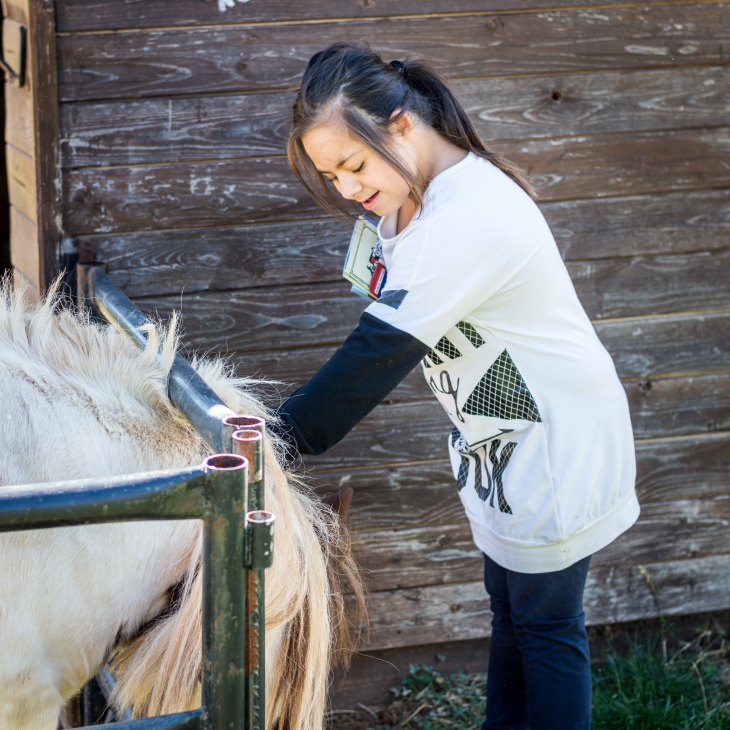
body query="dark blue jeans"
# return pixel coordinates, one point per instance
(539, 666)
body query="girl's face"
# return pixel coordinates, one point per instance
(357, 172)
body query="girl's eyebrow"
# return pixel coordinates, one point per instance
(340, 163)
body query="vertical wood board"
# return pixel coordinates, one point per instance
(22, 183)
(23, 251)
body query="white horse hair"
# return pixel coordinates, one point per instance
(79, 400)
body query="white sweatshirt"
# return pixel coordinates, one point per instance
(542, 447)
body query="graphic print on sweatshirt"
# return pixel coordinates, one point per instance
(472, 374)
(479, 385)
(499, 461)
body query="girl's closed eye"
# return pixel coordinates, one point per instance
(362, 166)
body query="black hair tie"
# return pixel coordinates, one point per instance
(400, 67)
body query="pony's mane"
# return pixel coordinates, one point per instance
(68, 354)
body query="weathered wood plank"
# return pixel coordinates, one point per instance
(677, 468)
(75, 15)
(679, 406)
(684, 344)
(168, 262)
(147, 131)
(19, 118)
(157, 63)
(257, 319)
(628, 287)
(23, 249)
(396, 496)
(659, 407)
(442, 554)
(612, 595)
(160, 262)
(623, 101)
(416, 495)
(388, 433)
(44, 183)
(21, 182)
(630, 164)
(234, 192)
(178, 196)
(640, 225)
(304, 316)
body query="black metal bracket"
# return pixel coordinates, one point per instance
(14, 43)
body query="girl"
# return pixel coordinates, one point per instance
(476, 291)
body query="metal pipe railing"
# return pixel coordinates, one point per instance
(216, 424)
(217, 493)
(189, 393)
(248, 442)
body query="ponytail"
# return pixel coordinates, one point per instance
(352, 83)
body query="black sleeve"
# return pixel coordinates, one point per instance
(370, 363)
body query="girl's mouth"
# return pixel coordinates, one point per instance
(369, 204)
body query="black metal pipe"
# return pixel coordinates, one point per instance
(189, 393)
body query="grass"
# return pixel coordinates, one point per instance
(638, 684)
(646, 690)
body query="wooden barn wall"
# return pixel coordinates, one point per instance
(173, 119)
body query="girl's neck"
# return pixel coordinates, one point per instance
(405, 214)
(435, 154)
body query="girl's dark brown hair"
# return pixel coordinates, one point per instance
(354, 84)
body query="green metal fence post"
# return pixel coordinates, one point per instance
(249, 443)
(224, 623)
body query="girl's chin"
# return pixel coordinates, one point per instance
(383, 209)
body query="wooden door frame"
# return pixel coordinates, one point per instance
(36, 233)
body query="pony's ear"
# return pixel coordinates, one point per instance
(340, 501)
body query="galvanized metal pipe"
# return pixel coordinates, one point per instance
(260, 525)
(224, 596)
(189, 393)
(249, 443)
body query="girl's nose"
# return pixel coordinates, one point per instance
(349, 188)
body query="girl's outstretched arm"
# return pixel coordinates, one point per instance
(370, 363)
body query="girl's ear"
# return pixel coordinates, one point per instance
(402, 126)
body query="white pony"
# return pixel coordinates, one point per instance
(79, 400)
